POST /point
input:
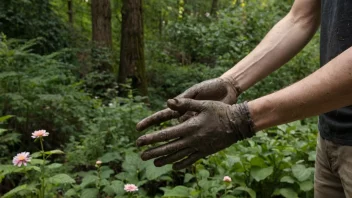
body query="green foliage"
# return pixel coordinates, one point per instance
(279, 161)
(223, 40)
(64, 92)
(8, 139)
(30, 19)
(40, 98)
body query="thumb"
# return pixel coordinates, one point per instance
(191, 92)
(185, 104)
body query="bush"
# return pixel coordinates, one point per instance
(226, 39)
(32, 19)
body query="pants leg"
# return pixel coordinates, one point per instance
(344, 168)
(327, 183)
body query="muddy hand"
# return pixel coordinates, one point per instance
(214, 89)
(216, 127)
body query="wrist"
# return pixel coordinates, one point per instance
(263, 114)
(232, 83)
(241, 120)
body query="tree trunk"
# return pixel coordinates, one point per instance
(132, 62)
(70, 12)
(101, 22)
(101, 27)
(214, 8)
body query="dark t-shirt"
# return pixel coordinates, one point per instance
(336, 37)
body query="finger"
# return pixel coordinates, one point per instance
(188, 161)
(185, 104)
(165, 149)
(157, 118)
(173, 157)
(190, 93)
(186, 116)
(166, 134)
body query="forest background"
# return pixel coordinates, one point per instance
(87, 71)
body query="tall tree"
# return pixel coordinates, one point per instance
(70, 12)
(214, 8)
(132, 61)
(101, 27)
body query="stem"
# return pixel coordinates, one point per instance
(42, 187)
(99, 180)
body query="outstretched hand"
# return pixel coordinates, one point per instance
(216, 126)
(215, 89)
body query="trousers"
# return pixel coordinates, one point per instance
(333, 170)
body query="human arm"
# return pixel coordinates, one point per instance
(211, 130)
(326, 89)
(283, 42)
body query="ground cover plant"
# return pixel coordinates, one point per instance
(67, 125)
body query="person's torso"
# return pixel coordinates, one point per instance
(336, 37)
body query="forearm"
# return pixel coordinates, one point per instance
(282, 43)
(327, 89)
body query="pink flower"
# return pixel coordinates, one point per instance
(130, 188)
(98, 162)
(39, 133)
(227, 179)
(21, 158)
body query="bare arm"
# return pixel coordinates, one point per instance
(282, 43)
(218, 125)
(327, 89)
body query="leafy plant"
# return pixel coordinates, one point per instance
(38, 174)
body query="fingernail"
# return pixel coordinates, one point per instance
(145, 156)
(158, 163)
(171, 101)
(139, 141)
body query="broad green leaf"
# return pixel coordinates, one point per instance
(188, 177)
(90, 193)
(130, 177)
(52, 152)
(38, 161)
(306, 185)
(153, 172)
(301, 172)
(231, 160)
(205, 184)
(178, 191)
(116, 187)
(286, 192)
(106, 173)
(70, 193)
(36, 154)
(258, 161)
(203, 174)
(89, 179)
(61, 179)
(14, 191)
(250, 191)
(133, 162)
(312, 155)
(4, 118)
(109, 157)
(228, 196)
(2, 131)
(54, 165)
(30, 167)
(260, 174)
(108, 190)
(287, 179)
